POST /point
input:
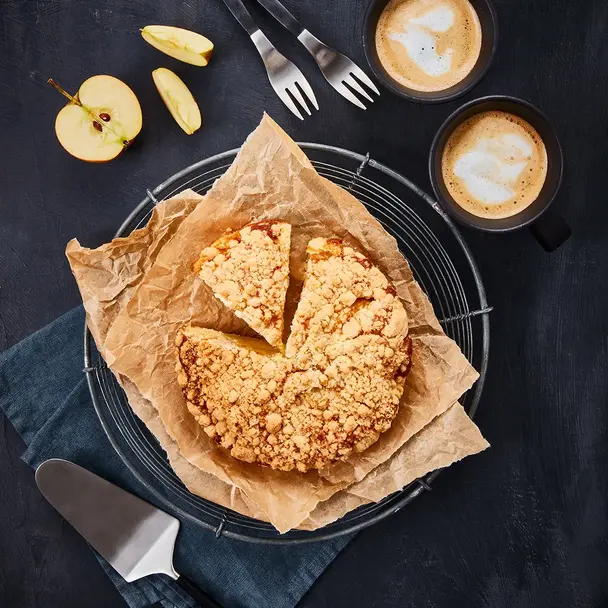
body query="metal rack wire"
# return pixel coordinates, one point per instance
(442, 264)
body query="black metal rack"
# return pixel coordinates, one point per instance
(442, 264)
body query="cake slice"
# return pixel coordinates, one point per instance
(344, 298)
(231, 386)
(248, 271)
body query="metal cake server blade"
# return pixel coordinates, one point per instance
(136, 538)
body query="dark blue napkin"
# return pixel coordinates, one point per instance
(44, 394)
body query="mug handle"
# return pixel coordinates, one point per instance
(550, 231)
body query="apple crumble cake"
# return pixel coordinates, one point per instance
(333, 392)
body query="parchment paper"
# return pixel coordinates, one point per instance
(107, 277)
(271, 178)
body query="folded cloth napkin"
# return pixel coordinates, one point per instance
(44, 394)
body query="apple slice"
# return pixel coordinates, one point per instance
(178, 99)
(181, 44)
(100, 121)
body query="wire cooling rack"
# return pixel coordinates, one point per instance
(442, 264)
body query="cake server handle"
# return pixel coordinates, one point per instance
(196, 593)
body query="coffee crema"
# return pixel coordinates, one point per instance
(494, 164)
(428, 45)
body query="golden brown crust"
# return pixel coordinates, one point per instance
(336, 390)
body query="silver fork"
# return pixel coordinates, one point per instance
(338, 69)
(284, 76)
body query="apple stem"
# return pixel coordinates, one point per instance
(96, 118)
(63, 92)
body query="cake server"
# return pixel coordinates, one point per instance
(136, 538)
(338, 69)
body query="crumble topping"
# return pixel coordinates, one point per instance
(335, 390)
(248, 271)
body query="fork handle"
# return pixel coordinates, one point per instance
(282, 15)
(242, 15)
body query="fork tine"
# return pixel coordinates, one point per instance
(346, 92)
(353, 84)
(286, 99)
(293, 89)
(308, 92)
(364, 78)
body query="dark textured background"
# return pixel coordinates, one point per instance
(522, 525)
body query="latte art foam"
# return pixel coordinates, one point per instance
(418, 40)
(428, 45)
(494, 164)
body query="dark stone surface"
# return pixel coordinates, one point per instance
(522, 525)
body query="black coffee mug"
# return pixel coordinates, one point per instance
(489, 41)
(549, 228)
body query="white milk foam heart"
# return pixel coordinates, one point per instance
(428, 45)
(490, 170)
(420, 43)
(494, 164)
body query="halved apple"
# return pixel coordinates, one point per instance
(178, 99)
(181, 44)
(100, 121)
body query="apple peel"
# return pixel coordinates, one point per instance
(184, 45)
